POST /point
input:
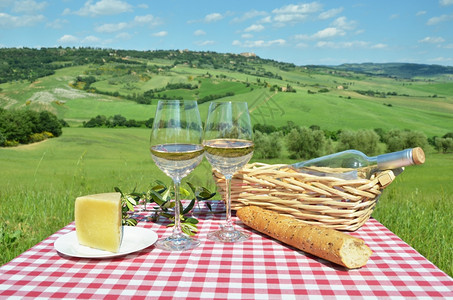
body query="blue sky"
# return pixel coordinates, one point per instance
(313, 32)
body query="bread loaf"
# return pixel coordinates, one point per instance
(329, 244)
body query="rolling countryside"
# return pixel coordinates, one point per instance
(39, 182)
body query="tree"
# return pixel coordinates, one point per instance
(118, 120)
(267, 145)
(305, 143)
(397, 140)
(264, 128)
(50, 123)
(25, 126)
(97, 121)
(443, 145)
(363, 140)
(2, 140)
(394, 140)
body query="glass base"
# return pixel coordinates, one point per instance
(228, 235)
(179, 242)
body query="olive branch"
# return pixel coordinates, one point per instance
(162, 195)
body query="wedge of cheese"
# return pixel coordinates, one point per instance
(98, 221)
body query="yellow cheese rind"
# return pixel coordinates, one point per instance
(98, 221)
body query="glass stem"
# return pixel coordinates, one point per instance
(177, 228)
(228, 223)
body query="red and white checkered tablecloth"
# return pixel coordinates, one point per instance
(259, 268)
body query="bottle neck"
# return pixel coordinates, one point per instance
(395, 160)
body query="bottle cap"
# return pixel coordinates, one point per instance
(418, 156)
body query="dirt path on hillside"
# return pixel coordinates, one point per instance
(29, 146)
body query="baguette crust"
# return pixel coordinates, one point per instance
(329, 244)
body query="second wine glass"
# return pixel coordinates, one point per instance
(228, 147)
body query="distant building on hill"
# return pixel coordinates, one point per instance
(248, 54)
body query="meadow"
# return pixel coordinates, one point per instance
(39, 184)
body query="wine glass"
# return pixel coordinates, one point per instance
(176, 149)
(228, 147)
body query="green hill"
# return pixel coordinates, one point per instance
(78, 84)
(398, 70)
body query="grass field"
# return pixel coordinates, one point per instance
(39, 183)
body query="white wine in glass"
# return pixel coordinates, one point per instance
(228, 147)
(176, 149)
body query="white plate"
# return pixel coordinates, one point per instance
(134, 239)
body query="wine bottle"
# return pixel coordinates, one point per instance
(351, 164)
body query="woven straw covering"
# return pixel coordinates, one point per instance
(327, 201)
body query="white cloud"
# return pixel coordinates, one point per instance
(199, 32)
(432, 40)
(330, 13)
(68, 39)
(301, 45)
(436, 20)
(446, 2)
(250, 15)
(147, 20)
(449, 46)
(247, 36)
(286, 18)
(9, 21)
(302, 37)
(109, 28)
(379, 46)
(214, 17)
(57, 23)
(294, 13)
(267, 19)
(348, 45)
(360, 31)
(160, 33)
(343, 23)
(328, 32)
(138, 21)
(304, 8)
(204, 43)
(91, 39)
(103, 7)
(28, 6)
(394, 16)
(254, 28)
(123, 36)
(259, 43)
(420, 13)
(441, 59)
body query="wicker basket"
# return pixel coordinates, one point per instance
(327, 201)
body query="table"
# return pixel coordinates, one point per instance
(259, 268)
